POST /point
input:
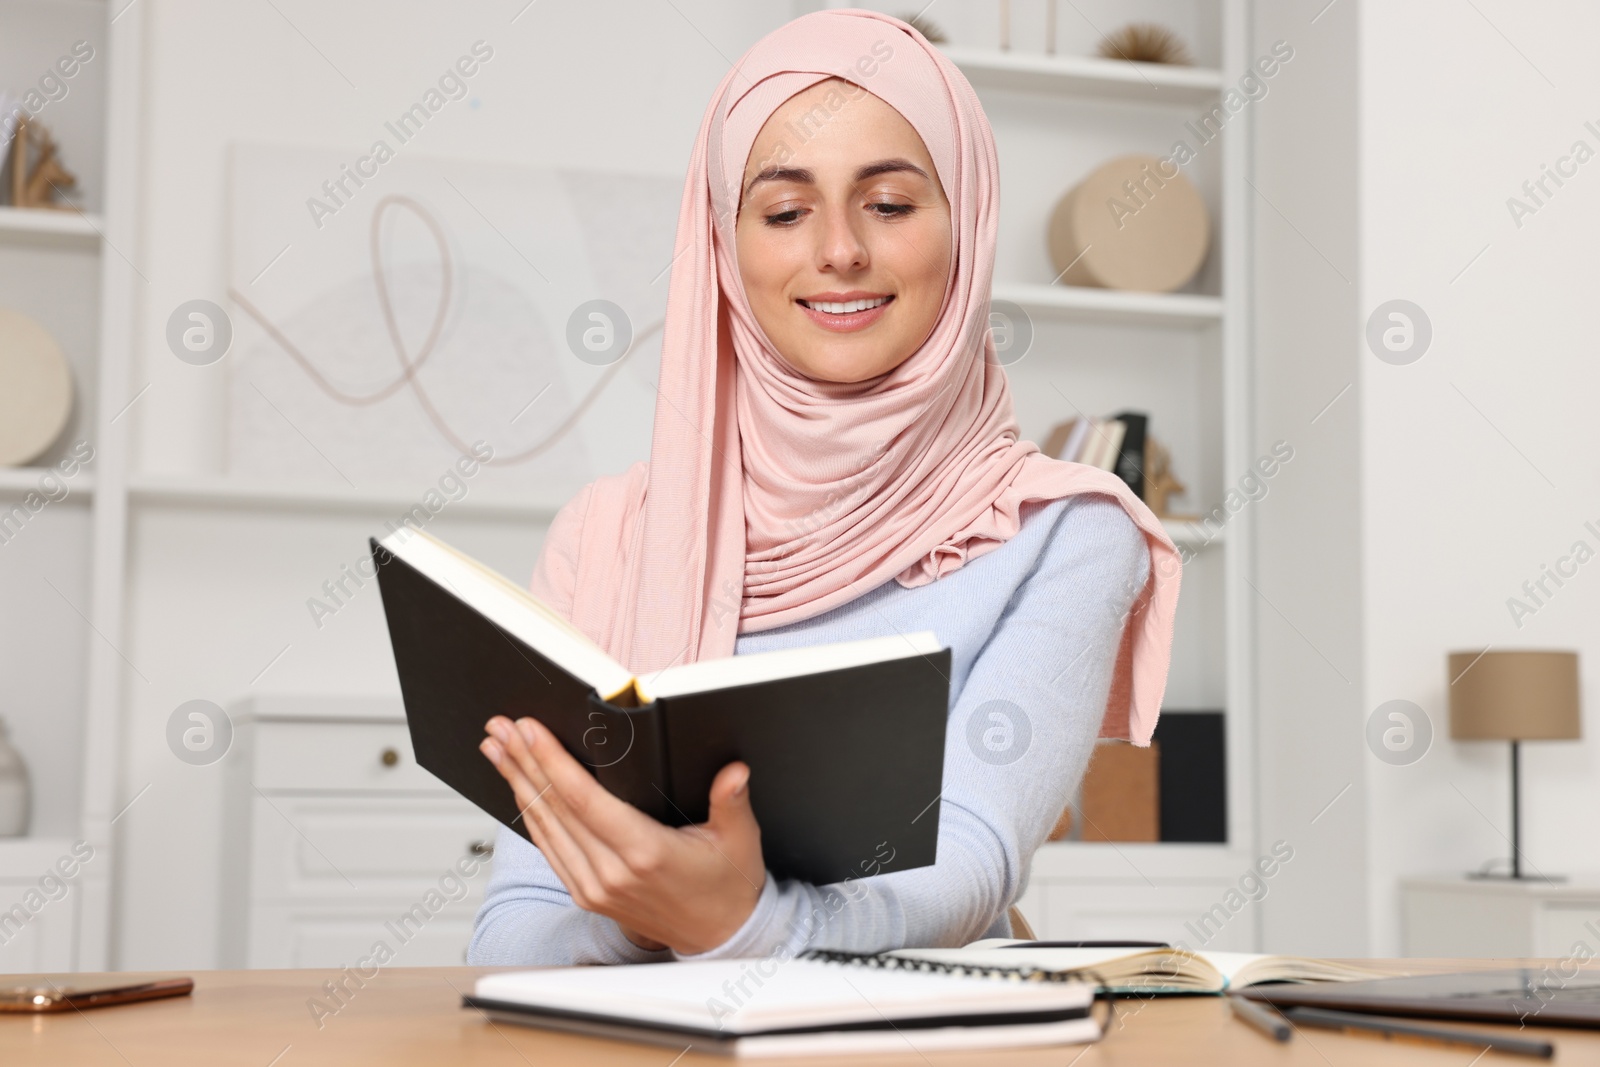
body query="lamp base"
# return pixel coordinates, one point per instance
(1507, 876)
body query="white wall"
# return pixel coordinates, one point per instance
(1479, 462)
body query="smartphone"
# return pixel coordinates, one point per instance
(72, 994)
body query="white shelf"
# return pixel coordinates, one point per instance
(17, 481)
(1191, 534)
(1086, 304)
(1087, 76)
(388, 501)
(29, 857)
(223, 492)
(66, 227)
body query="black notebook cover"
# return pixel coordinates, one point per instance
(845, 765)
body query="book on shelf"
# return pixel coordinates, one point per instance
(1123, 445)
(814, 1004)
(1103, 444)
(1129, 462)
(1144, 970)
(845, 741)
(1066, 440)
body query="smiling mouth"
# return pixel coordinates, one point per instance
(846, 307)
(846, 316)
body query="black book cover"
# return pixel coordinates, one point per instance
(845, 764)
(1193, 777)
(1130, 458)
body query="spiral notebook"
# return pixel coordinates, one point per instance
(817, 1003)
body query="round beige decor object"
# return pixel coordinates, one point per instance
(1134, 223)
(35, 389)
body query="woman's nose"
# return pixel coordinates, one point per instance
(840, 245)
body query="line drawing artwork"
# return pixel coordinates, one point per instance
(390, 339)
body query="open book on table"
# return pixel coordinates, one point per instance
(845, 741)
(1146, 970)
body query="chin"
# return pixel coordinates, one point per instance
(840, 367)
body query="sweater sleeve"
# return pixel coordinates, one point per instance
(1019, 737)
(528, 918)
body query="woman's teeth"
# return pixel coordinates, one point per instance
(845, 308)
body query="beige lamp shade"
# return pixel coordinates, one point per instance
(1134, 223)
(1514, 696)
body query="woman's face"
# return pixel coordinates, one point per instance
(840, 209)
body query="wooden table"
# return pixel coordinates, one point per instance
(413, 1015)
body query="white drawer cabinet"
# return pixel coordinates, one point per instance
(1499, 917)
(1200, 895)
(327, 937)
(336, 841)
(343, 848)
(1189, 913)
(39, 908)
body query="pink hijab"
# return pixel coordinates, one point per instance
(771, 497)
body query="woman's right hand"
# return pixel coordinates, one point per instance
(687, 888)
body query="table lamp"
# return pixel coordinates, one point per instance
(1514, 696)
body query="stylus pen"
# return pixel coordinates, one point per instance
(1347, 1020)
(1264, 1019)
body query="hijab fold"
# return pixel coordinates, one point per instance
(771, 497)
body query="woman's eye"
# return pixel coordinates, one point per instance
(894, 210)
(782, 218)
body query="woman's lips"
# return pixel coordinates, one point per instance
(848, 322)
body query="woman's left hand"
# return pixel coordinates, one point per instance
(689, 888)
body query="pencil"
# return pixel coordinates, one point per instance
(1267, 1021)
(1346, 1020)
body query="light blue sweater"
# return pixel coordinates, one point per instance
(1033, 627)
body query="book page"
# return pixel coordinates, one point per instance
(1143, 969)
(1245, 969)
(1172, 968)
(514, 610)
(730, 671)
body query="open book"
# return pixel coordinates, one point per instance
(845, 741)
(1146, 970)
(803, 1006)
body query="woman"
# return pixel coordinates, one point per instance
(834, 456)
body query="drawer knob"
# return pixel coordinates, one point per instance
(389, 757)
(481, 848)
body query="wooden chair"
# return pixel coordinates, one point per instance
(1019, 926)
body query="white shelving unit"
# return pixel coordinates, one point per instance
(61, 575)
(1088, 76)
(1089, 340)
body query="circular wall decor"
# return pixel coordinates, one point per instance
(1133, 223)
(35, 389)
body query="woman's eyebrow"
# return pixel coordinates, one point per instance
(805, 175)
